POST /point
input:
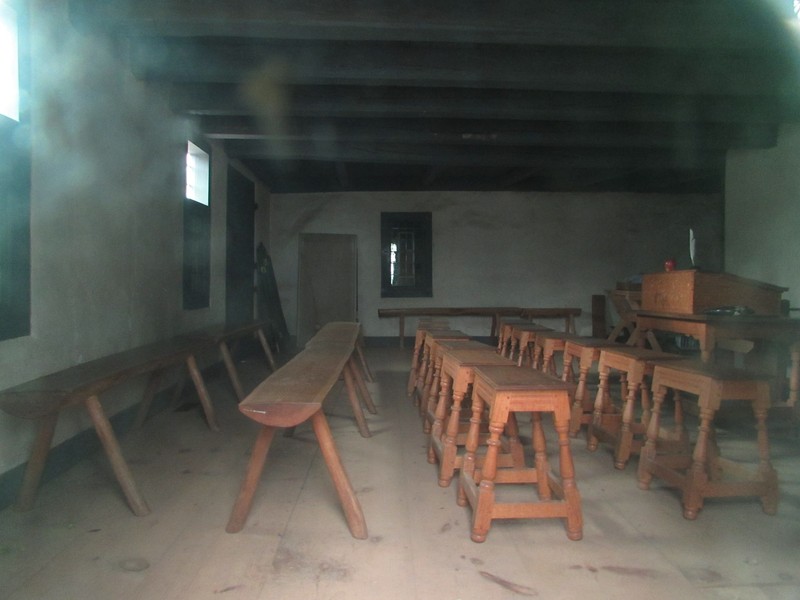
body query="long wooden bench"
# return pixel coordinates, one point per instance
(292, 395)
(44, 398)
(495, 312)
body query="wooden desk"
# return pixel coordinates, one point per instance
(708, 329)
(495, 312)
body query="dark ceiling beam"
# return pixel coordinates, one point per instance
(495, 133)
(610, 23)
(277, 64)
(394, 102)
(507, 157)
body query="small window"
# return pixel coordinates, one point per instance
(196, 230)
(406, 265)
(9, 62)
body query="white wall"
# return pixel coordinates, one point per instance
(507, 249)
(762, 213)
(106, 220)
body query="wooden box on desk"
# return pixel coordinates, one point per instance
(693, 292)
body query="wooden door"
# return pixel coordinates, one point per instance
(239, 255)
(327, 285)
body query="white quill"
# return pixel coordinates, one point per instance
(692, 242)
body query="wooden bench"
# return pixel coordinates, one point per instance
(44, 398)
(292, 395)
(495, 312)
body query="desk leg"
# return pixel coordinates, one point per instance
(46, 426)
(350, 504)
(106, 434)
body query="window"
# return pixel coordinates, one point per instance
(15, 169)
(196, 230)
(406, 265)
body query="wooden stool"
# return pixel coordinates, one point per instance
(506, 390)
(546, 344)
(427, 407)
(425, 371)
(620, 428)
(457, 376)
(522, 336)
(504, 328)
(423, 327)
(700, 475)
(587, 352)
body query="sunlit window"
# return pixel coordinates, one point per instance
(196, 174)
(9, 63)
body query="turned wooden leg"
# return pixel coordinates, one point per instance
(697, 475)
(412, 375)
(123, 473)
(422, 374)
(440, 414)
(471, 447)
(355, 403)
(450, 441)
(648, 452)
(622, 451)
(431, 395)
(482, 514)
(597, 416)
(515, 447)
(255, 466)
(350, 504)
(540, 457)
(45, 427)
(572, 496)
(769, 501)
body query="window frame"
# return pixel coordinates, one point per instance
(421, 225)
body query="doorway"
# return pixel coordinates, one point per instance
(239, 251)
(327, 282)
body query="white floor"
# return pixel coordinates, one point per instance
(82, 542)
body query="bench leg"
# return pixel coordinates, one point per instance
(106, 434)
(33, 470)
(363, 359)
(200, 386)
(355, 403)
(227, 358)
(265, 345)
(350, 504)
(253, 474)
(362, 386)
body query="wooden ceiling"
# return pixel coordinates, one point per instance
(554, 95)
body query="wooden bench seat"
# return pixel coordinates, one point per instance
(292, 395)
(44, 398)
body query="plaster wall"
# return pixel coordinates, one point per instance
(508, 249)
(762, 213)
(106, 220)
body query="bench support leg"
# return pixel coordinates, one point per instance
(33, 470)
(200, 386)
(254, 468)
(362, 386)
(265, 345)
(350, 504)
(227, 358)
(355, 403)
(363, 359)
(106, 434)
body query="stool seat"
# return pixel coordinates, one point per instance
(507, 390)
(620, 426)
(458, 367)
(704, 473)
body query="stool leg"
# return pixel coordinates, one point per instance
(769, 501)
(697, 476)
(648, 452)
(432, 394)
(572, 496)
(578, 407)
(439, 416)
(540, 457)
(597, 417)
(449, 443)
(625, 438)
(471, 446)
(482, 514)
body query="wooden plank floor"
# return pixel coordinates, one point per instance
(81, 541)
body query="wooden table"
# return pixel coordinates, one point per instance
(495, 312)
(708, 329)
